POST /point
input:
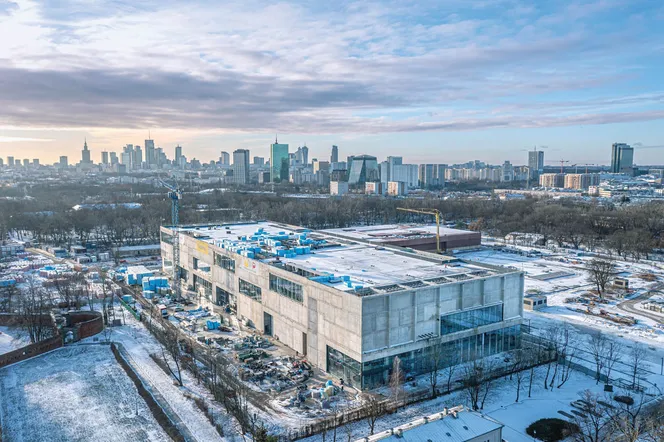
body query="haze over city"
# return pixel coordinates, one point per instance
(432, 81)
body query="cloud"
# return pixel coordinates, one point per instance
(4, 139)
(7, 7)
(300, 67)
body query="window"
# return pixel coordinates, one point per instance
(224, 262)
(456, 322)
(344, 367)
(250, 290)
(225, 298)
(167, 238)
(286, 288)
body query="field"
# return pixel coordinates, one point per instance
(73, 394)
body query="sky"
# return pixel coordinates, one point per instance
(441, 81)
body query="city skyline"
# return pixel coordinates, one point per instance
(444, 82)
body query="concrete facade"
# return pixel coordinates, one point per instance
(400, 313)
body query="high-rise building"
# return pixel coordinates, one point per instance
(334, 157)
(2, 162)
(552, 180)
(85, 154)
(10, 161)
(317, 166)
(305, 155)
(581, 181)
(259, 161)
(507, 172)
(178, 155)
(622, 158)
(387, 169)
(137, 159)
(149, 153)
(114, 158)
(126, 159)
(104, 158)
(35, 162)
(64, 162)
(278, 162)
(225, 159)
(363, 168)
(241, 166)
(26, 162)
(405, 173)
(432, 175)
(535, 162)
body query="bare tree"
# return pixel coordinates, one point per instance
(375, 410)
(7, 295)
(593, 422)
(637, 357)
(170, 345)
(477, 381)
(34, 307)
(598, 345)
(396, 380)
(627, 419)
(435, 365)
(613, 353)
(600, 272)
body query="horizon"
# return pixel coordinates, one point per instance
(434, 83)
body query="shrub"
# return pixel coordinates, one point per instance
(627, 400)
(551, 430)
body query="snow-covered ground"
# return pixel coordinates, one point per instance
(500, 404)
(77, 393)
(11, 339)
(139, 343)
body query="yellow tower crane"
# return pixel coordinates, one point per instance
(434, 212)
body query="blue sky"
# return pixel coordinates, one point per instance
(436, 81)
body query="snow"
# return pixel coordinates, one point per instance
(76, 393)
(138, 342)
(11, 339)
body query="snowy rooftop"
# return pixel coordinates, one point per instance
(354, 265)
(459, 426)
(396, 231)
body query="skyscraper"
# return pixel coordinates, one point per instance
(278, 162)
(432, 175)
(10, 161)
(622, 158)
(114, 158)
(241, 166)
(225, 159)
(178, 155)
(85, 154)
(137, 159)
(149, 153)
(104, 158)
(305, 155)
(259, 161)
(535, 162)
(64, 162)
(334, 157)
(363, 168)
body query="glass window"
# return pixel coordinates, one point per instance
(167, 238)
(286, 288)
(251, 290)
(225, 298)
(344, 367)
(465, 320)
(224, 262)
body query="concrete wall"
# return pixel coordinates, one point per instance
(404, 321)
(326, 316)
(364, 328)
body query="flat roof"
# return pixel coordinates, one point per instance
(455, 425)
(342, 263)
(391, 232)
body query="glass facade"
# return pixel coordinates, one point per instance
(225, 298)
(252, 291)
(167, 238)
(286, 288)
(467, 319)
(224, 262)
(376, 373)
(343, 367)
(200, 282)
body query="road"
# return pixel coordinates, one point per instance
(629, 306)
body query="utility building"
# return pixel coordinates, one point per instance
(350, 306)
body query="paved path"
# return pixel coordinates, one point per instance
(629, 306)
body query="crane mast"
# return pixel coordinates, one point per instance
(175, 195)
(434, 212)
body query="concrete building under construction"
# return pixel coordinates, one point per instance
(351, 305)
